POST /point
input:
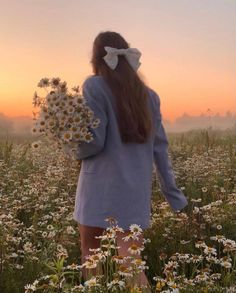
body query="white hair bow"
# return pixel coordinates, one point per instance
(132, 55)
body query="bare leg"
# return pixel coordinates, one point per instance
(88, 240)
(123, 250)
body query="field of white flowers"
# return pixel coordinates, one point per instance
(189, 252)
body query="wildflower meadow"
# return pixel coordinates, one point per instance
(194, 251)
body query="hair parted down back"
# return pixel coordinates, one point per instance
(133, 113)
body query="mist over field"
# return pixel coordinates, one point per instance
(23, 124)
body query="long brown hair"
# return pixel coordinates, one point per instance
(130, 91)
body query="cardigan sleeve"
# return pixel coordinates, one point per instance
(95, 101)
(164, 170)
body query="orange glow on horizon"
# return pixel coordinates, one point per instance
(177, 97)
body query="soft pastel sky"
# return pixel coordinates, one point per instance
(188, 48)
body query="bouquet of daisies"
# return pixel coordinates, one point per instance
(63, 116)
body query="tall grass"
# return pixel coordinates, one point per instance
(37, 232)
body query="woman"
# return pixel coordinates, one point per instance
(117, 166)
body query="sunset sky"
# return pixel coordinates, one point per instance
(188, 48)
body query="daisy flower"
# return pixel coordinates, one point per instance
(226, 264)
(204, 189)
(44, 82)
(30, 287)
(124, 271)
(34, 130)
(135, 249)
(134, 228)
(119, 259)
(92, 282)
(55, 81)
(67, 136)
(116, 282)
(63, 86)
(95, 123)
(76, 89)
(35, 144)
(88, 137)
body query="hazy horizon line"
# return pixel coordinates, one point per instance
(184, 114)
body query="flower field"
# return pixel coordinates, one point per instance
(194, 251)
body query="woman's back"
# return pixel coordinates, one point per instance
(116, 177)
